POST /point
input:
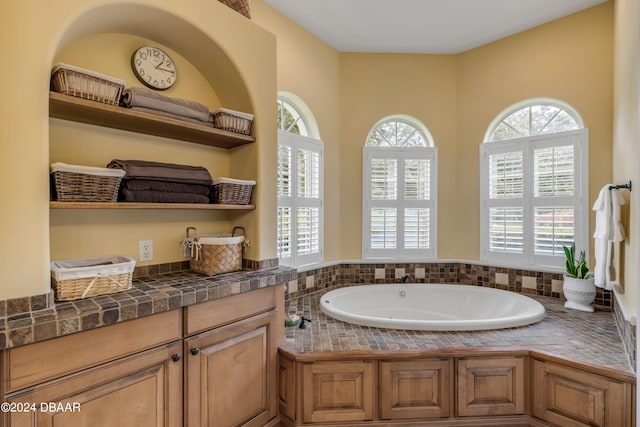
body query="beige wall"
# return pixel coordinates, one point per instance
(309, 69)
(568, 59)
(375, 86)
(626, 139)
(226, 59)
(457, 97)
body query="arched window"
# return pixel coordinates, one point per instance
(290, 119)
(399, 191)
(534, 117)
(300, 185)
(399, 131)
(534, 184)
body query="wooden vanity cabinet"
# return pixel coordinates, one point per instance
(219, 369)
(128, 374)
(231, 362)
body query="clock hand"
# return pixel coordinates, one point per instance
(158, 66)
(168, 71)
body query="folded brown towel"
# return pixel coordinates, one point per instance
(143, 97)
(150, 196)
(169, 187)
(157, 171)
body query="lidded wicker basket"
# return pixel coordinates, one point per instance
(215, 253)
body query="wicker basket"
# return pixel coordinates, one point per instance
(215, 253)
(86, 84)
(241, 6)
(74, 183)
(231, 191)
(89, 277)
(232, 121)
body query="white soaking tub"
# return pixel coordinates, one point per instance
(435, 307)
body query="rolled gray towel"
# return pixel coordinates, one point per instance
(147, 98)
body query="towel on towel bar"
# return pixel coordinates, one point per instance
(608, 230)
(143, 97)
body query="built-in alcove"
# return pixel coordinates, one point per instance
(102, 39)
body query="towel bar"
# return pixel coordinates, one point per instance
(627, 186)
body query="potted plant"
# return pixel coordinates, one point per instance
(578, 286)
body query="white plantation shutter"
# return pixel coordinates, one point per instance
(299, 216)
(534, 198)
(399, 203)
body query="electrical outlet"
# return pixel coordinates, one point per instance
(145, 250)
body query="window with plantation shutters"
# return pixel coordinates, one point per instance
(399, 204)
(534, 186)
(299, 186)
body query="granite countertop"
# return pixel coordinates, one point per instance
(591, 338)
(148, 295)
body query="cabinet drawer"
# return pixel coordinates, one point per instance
(491, 386)
(337, 391)
(201, 317)
(35, 363)
(569, 397)
(416, 389)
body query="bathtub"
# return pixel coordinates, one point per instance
(434, 307)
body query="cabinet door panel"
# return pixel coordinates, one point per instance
(573, 398)
(491, 386)
(230, 380)
(140, 390)
(337, 391)
(415, 389)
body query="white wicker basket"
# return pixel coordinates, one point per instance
(232, 121)
(76, 183)
(88, 277)
(86, 84)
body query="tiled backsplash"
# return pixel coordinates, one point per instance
(515, 280)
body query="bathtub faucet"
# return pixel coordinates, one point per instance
(404, 279)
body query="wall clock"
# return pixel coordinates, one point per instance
(153, 67)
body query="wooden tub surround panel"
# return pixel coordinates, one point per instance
(454, 387)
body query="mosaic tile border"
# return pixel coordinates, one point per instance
(515, 280)
(628, 333)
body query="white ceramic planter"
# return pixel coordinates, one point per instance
(579, 293)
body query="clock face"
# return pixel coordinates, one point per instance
(153, 67)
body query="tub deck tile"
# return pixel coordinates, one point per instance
(584, 337)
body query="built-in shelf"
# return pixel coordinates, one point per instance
(131, 205)
(96, 113)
